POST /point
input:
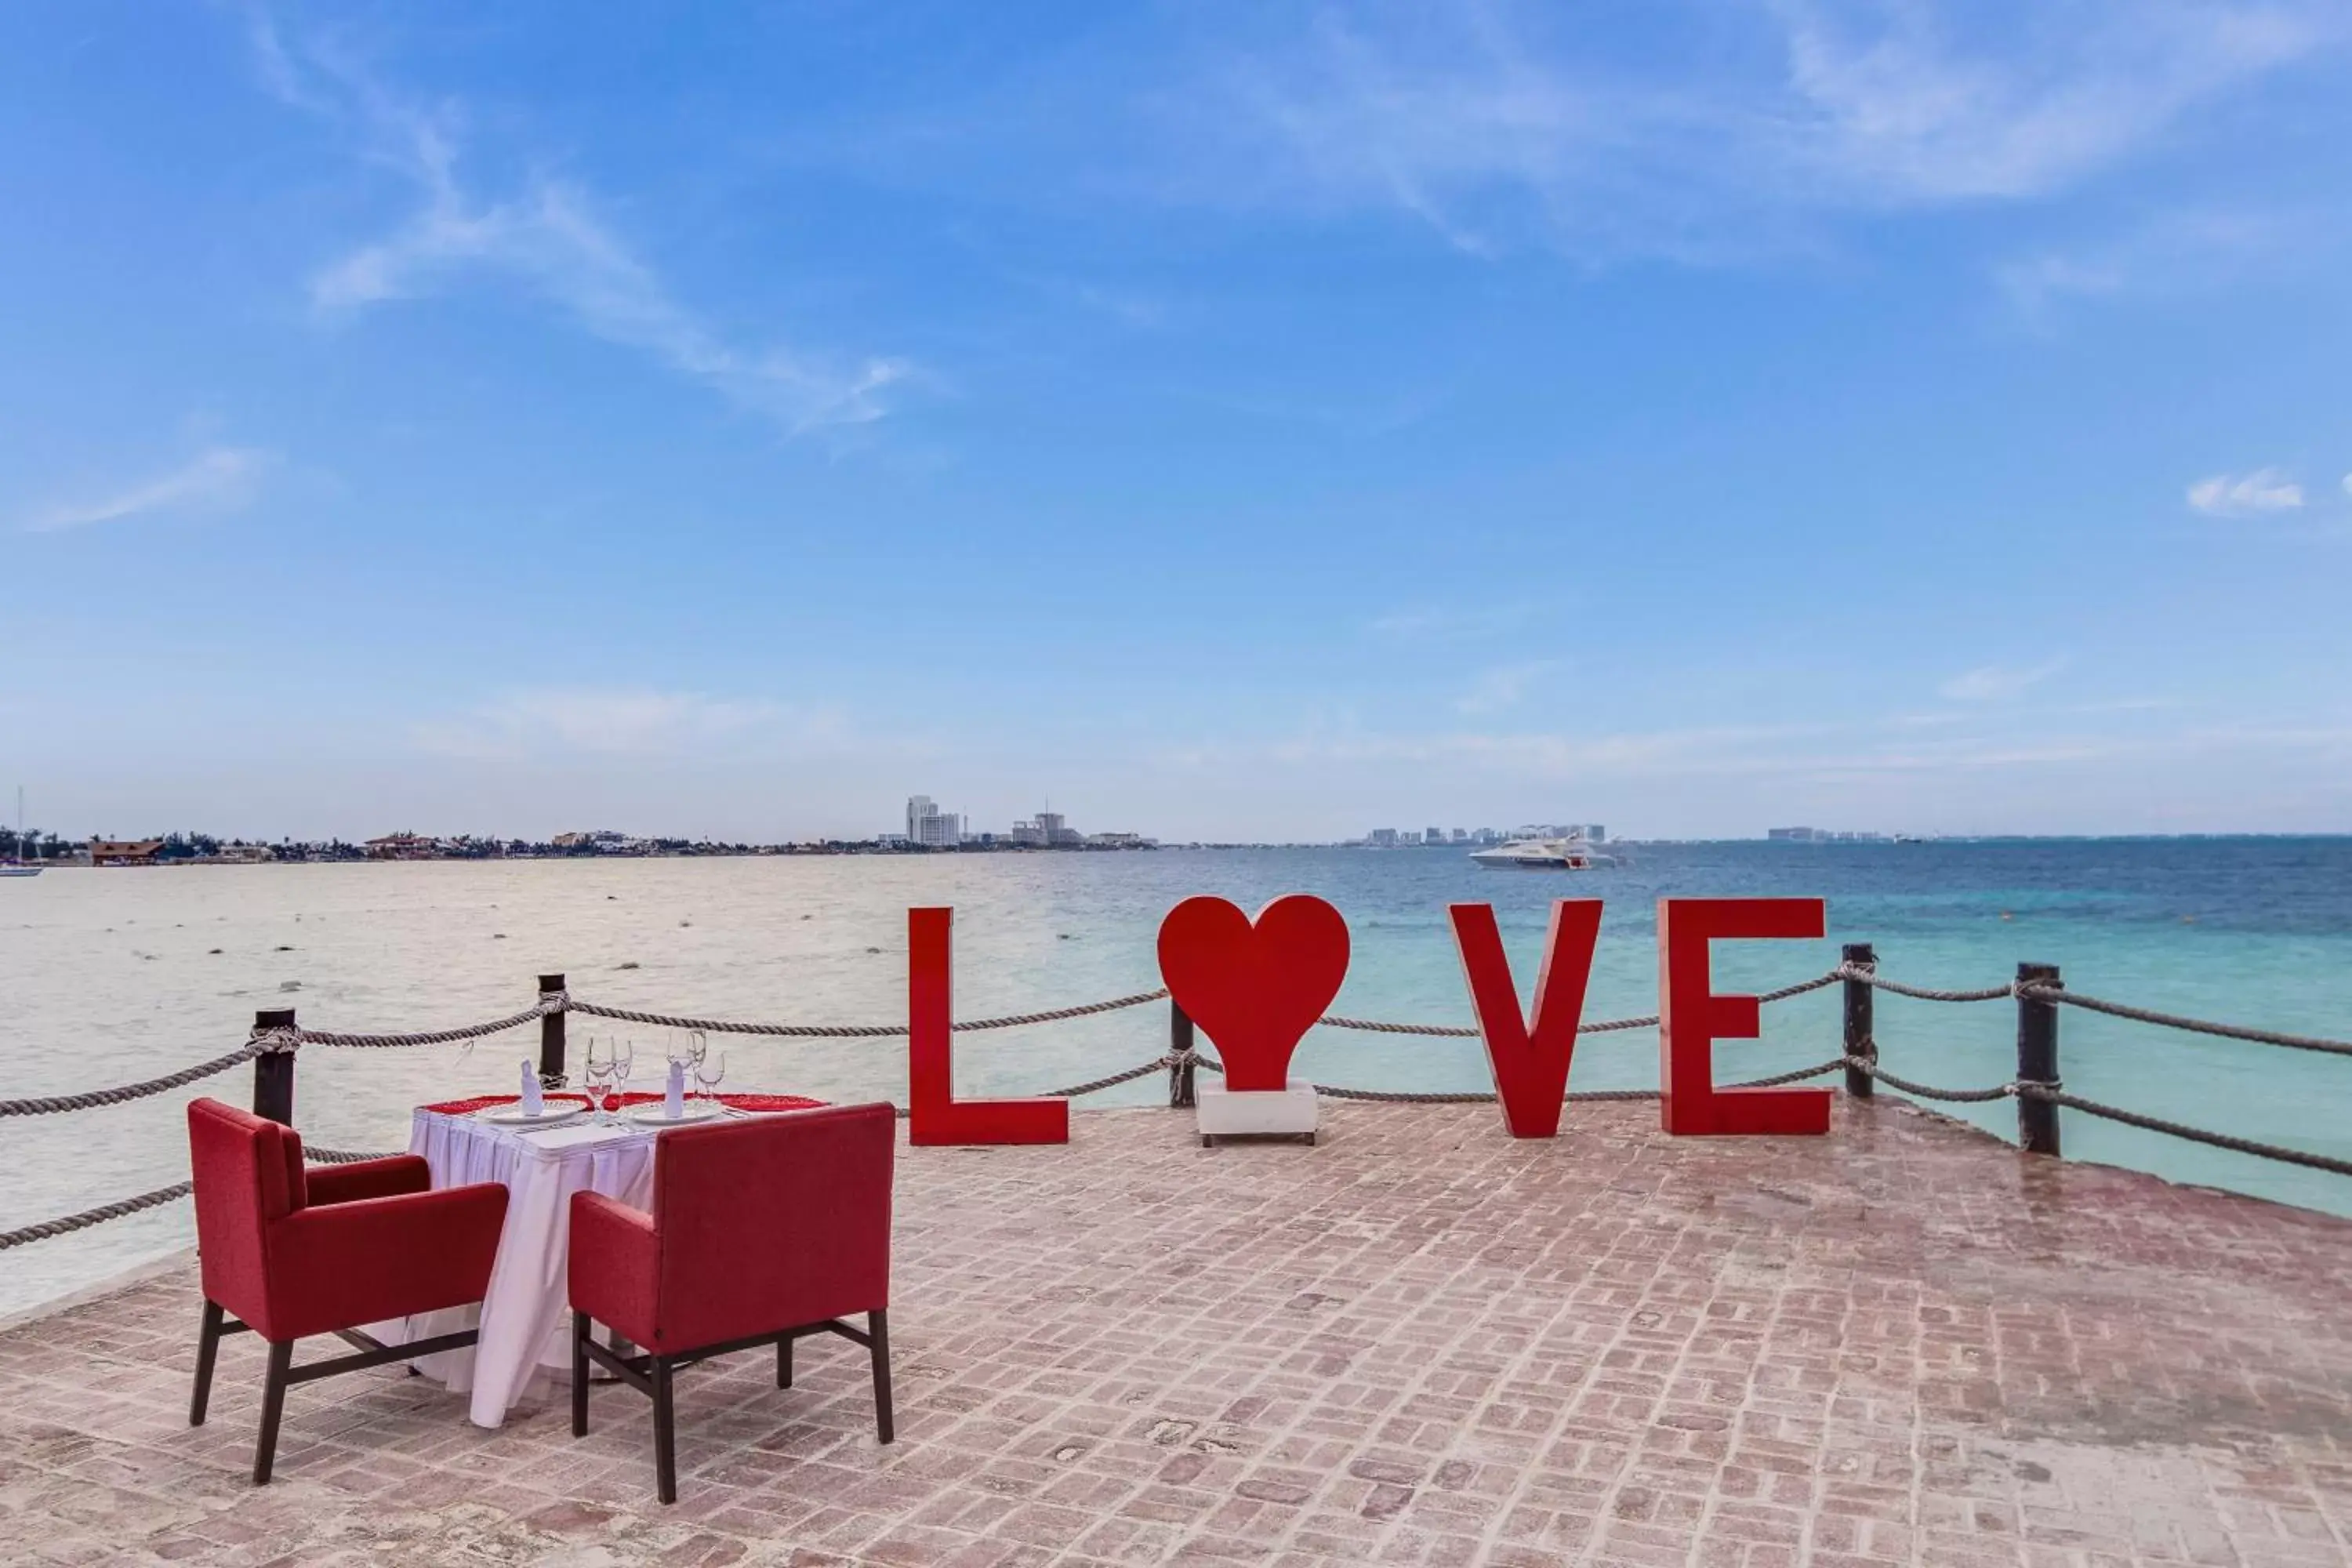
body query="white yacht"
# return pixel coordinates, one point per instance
(1542, 855)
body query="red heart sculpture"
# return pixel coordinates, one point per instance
(1255, 987)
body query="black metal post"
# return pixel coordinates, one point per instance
(1180, 1045)
(1859, 1042)
(273, 1071)
(551, 1035)
(2037, 1060)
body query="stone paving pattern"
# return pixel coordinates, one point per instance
(1419, 1342)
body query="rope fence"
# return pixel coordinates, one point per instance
(129, 1091)
(98, 1216)
(276, 1037)
(1870, 1068)
(1878, 981)
(2056, 1096)
(2193, 1026)
(279, 1035)
(849, 1031)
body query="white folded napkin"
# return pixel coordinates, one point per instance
(674, 1092)
(533, 1101)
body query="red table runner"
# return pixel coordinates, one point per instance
(622, 1101)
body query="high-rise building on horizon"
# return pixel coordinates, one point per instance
(1047, 830)
(929, 827)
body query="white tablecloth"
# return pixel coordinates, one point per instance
(524, 1318)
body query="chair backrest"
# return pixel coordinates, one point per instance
(773, 1221)
(247, 1173)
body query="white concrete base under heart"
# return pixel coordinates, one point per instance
(1256, 1113)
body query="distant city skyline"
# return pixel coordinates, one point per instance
(1249, 422)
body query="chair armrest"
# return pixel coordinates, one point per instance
(367, 1179)
(614, 1269)
(372, 1260)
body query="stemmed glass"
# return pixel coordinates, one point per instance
(623, 1063)
(713, 1076)
(598, 1072)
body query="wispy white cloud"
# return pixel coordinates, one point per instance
(623, 720)
(1994, 683)
(1700, 749)
(2178, 253)
(1443, 623)
(1921, 101)
(2260, 493)
(1502, 687)
(548, 239)
(1988, 739)
(220, 478)
(2347, 484)
(1484, 121)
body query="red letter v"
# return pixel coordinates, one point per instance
(1530, 1067)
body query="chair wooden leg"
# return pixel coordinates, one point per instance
(877, 1328)
(208, 1339)
(273, 1406)
(784, 1364)
(665, 1433)
(579, 1375)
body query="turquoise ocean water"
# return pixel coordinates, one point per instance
(121, 975)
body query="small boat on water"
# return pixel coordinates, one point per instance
(17, 865)
(1542, 855)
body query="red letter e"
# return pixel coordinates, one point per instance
(1691, 1018)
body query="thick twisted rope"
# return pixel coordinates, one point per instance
(1574, 1096)
(2056, 1096)
(52, 1104)
(68, 1224)
(1601, 1026)
(1872, 978)
(1401, 1097)
(724, 1026)
(852, 1031)
(98, 1216)
(2042, 993)
(1091, 1085)
(1870, 1068)
(542, 1008)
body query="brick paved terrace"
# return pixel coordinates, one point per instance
(1419, 1342)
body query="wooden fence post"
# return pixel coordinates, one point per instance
(273, 1071)
(551, 1035)
(1859, 1041)
(2037, 1060)
(1180, 1045)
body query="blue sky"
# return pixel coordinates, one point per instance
(1233, 420)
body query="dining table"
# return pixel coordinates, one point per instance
(524, 1344)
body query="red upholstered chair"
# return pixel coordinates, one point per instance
(762, 1233)
(294, 1253)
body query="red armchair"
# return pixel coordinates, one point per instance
(762, 1233)
(293, 1253)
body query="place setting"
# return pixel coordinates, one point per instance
(690, 1095)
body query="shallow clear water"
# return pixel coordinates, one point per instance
(112, 976)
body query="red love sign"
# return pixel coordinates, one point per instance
(1255, 987)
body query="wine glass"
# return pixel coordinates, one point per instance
(711, 1075)
(598, 1071)
(624, 1062)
